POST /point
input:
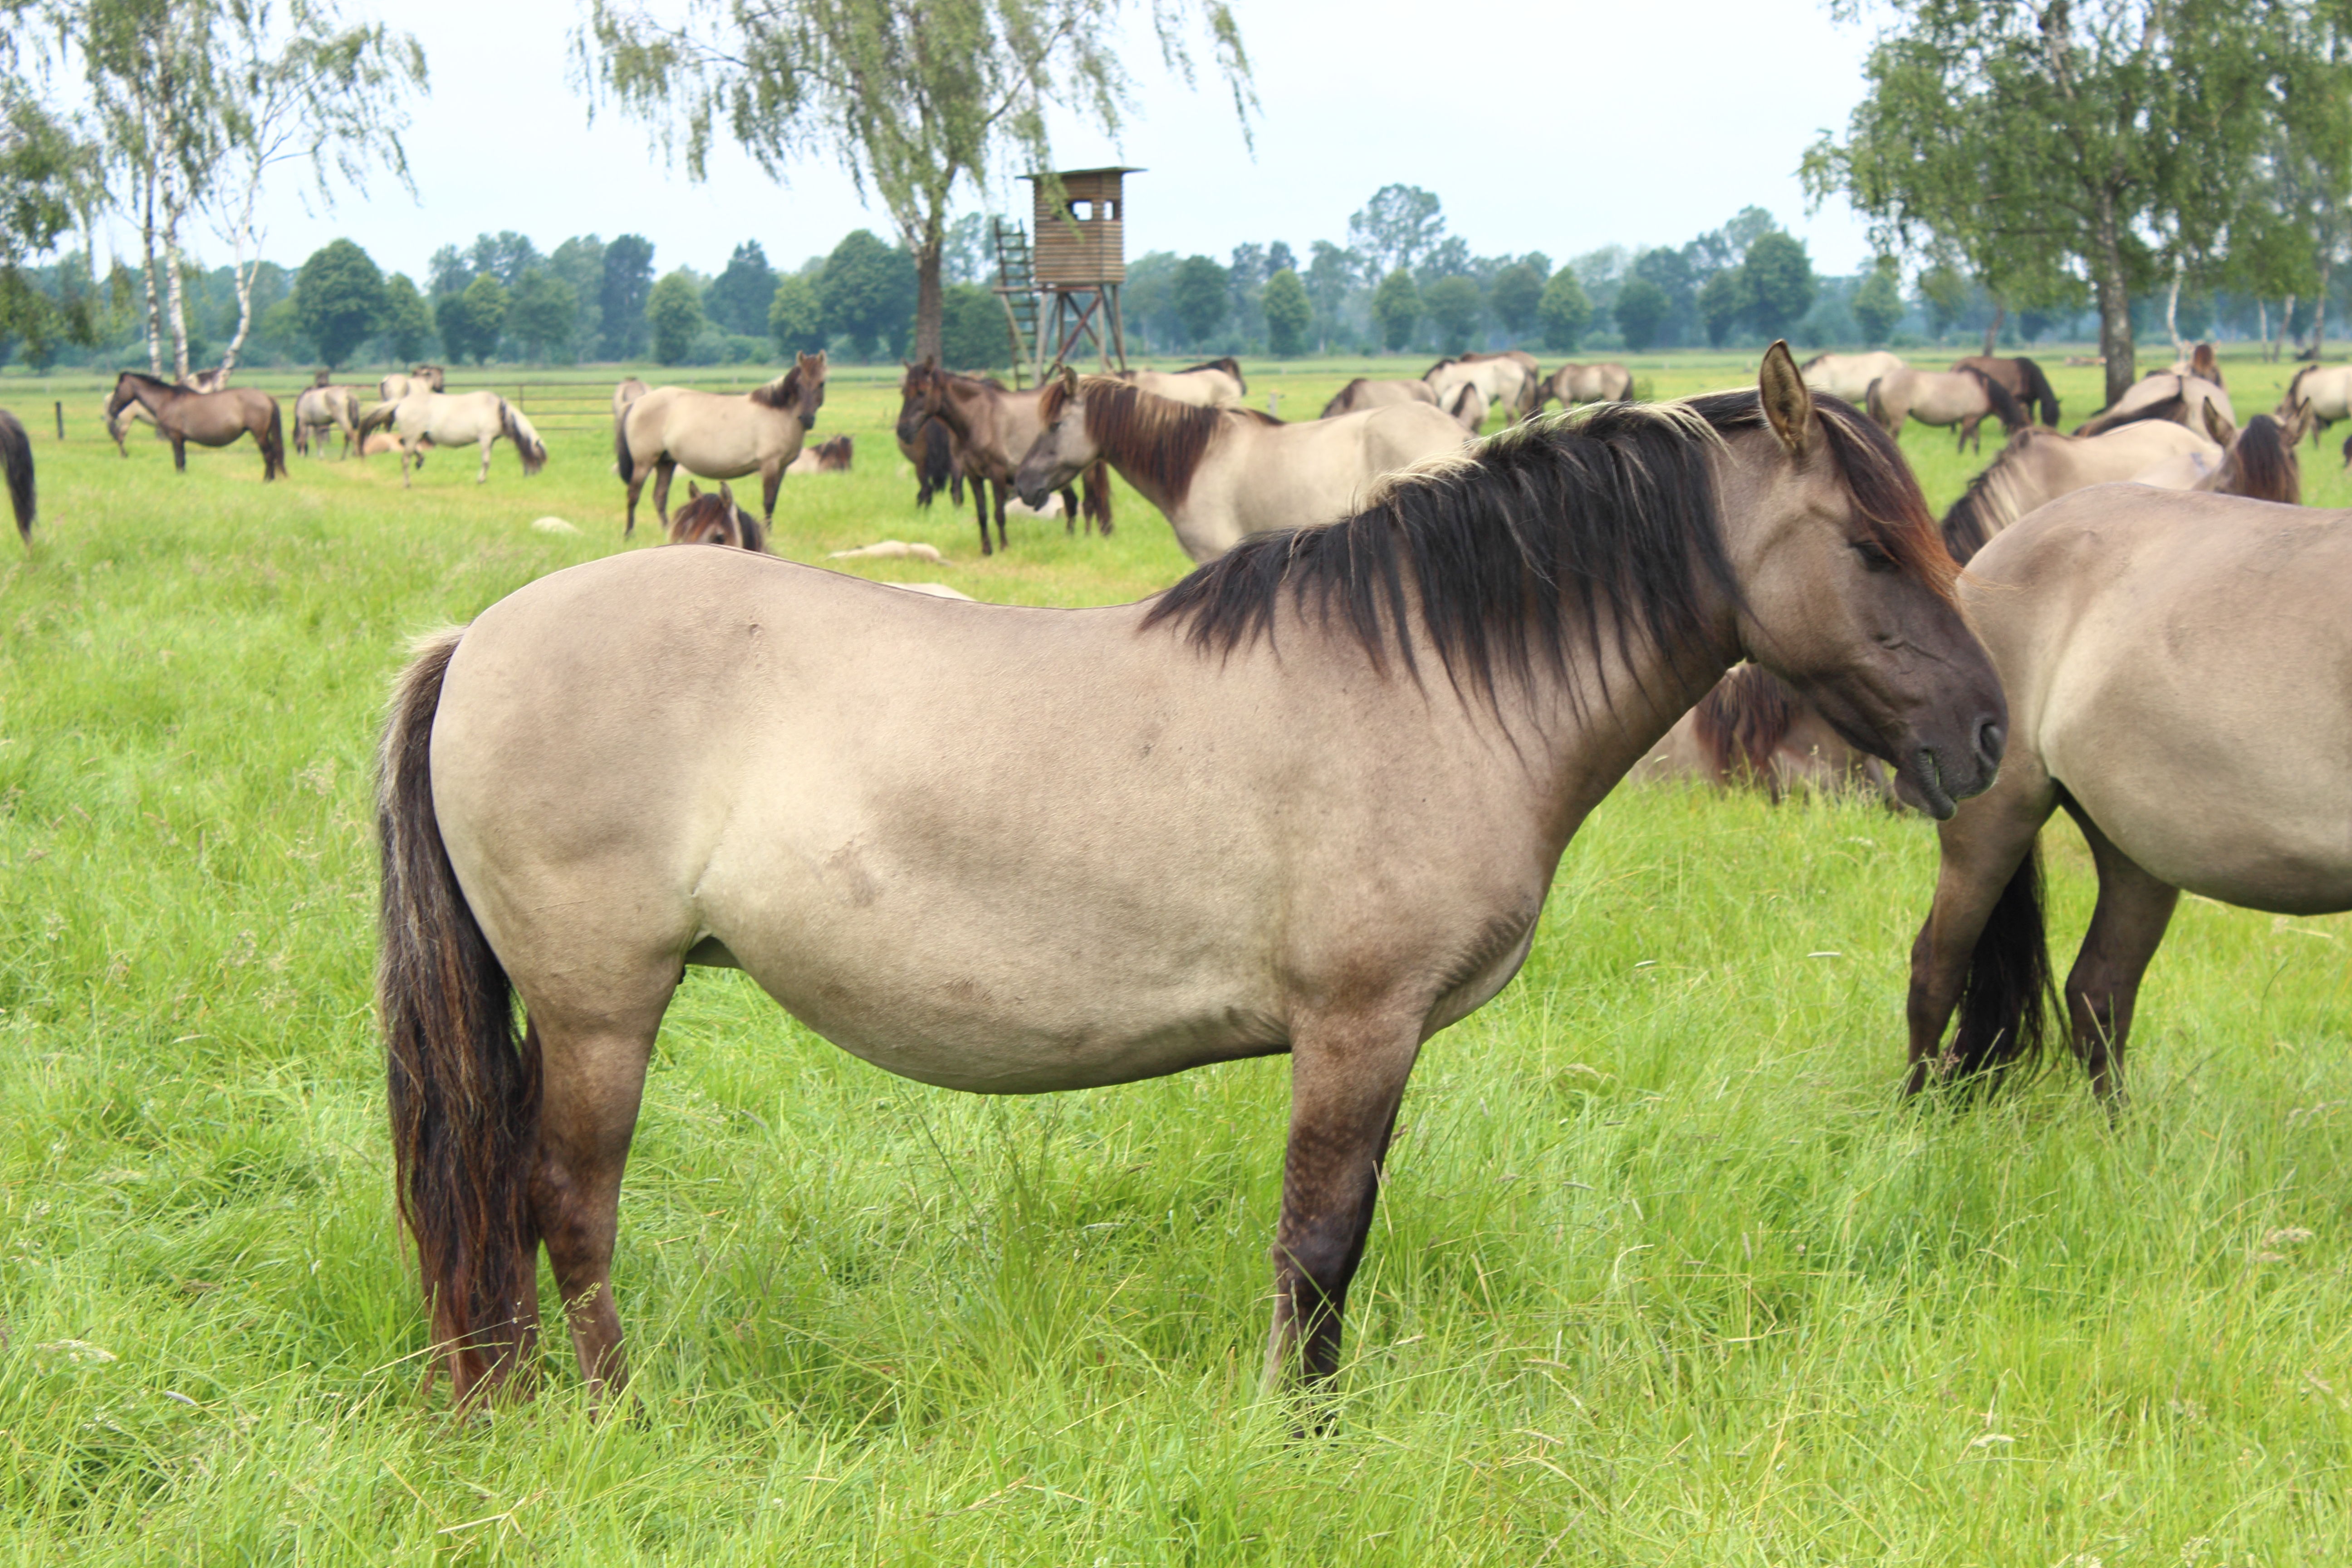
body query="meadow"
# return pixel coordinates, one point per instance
(1662, 1274)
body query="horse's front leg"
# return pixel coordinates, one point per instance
(484, 477)
(771, 478)
(1069, 509)
(1001, 487)
(406, 454)
(1347, 1078)
(979, 505)
(179, 453)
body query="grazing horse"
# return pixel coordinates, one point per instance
(324, 407)
(1468, 407)
(1221, 475)
(2181, 399)
(395, 386)
(1961, 397)
(1212, 384)
(716, 520)
(2022, 379)
(2176, 665)
(1508, 381)
(2038, 466)
(1849, 375)
(1363, 393)
(825, 457)
(1366, 745)
(1604, 382)
(2326, 390)
(425, 418)
(207, 418)
(1751, 730)
(16, 465)
(119, 423)
(993, 429)
(718, 436)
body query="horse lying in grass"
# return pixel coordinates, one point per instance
(427, 418)
(2175, 663)
(207, 418)
(1751, 732)
(1366, 744)
(718, 436)
(832, 457)
(715, 518)
(1220, 475)
(16, 465)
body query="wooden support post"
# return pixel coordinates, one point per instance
(61, 419)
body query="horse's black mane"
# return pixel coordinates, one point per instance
(1515, 550)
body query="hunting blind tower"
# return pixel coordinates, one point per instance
(1067, 291)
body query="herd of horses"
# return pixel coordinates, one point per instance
(1405, 667)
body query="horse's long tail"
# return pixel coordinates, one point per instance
(2005, 406)
(1873, 404)
(527, 444)
(622, 464)
(463, 1091)
(2039, 394)
(273, 444)
(377, 419)
(1094, 496)
(16, 457)
(2007, 998)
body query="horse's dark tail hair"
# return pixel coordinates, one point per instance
(622, 462)
(1094, 496)
(2007, 998)
(527, 444)
(273, 444)
(375, 419)
(2005, 406)
(16, 458)
(463, 1091)
(2040, 396)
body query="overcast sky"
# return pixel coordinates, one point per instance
(1555, 127)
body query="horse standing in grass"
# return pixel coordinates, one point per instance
(1962, 398)
(2326, 390)
(1363, 393)
(2020, 378)
(2175, 663)
(16, 465)
(993, 431)
(325, 408)
(718, 436)
(1221, 475)
(424, 377)
(1849, 375)
(937, 460)
(2258, 462)
(1468, 407)
(1366, 745)
(2040, 466)
(715, 518)
(1604, 382)
(425, 418)
(207, 418)
(1212, 384)
(1506, 381)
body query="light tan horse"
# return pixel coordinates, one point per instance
(1604, 381)
(2038, 466)
(1945, 397)
(1468, 407)
(2021, 378)
(2258, 462)
(325, 408)
(627, 390)
(832, 457)
(1212, 384)
(1849, 375)
(207, 418)
(718, 436)
(1221, 475)
(1753, 732)
(1310, 800)
(1363, 393)
(2326, 390)
(397, 385)
(2182, 399)
(426, 417)
(1508, 381)
(2175, 668)
(991, 428)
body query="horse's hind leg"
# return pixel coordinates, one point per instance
(2127, 928)
(636, 476)
(179, 454)
(484, 477)
(979, 505)
(665, 470)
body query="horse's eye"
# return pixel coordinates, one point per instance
(1874, 555)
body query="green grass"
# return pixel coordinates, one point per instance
(1661, 1274)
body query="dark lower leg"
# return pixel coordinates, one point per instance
(2127, 928)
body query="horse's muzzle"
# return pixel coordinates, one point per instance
(808, 421)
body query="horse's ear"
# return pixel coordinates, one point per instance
(1787, 403)
(2298, 424)
(693, 491)
(2217, 426)
(1069, 382)
(725, 492)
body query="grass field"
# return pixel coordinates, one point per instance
(1661, 1275)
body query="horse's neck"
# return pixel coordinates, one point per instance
(970, 413)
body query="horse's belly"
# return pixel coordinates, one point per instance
(718, 457)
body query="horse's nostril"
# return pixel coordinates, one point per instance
(1989, 740)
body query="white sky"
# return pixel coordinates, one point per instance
(1555, 127)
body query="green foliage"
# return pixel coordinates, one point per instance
(1288, 314)
(1944, 288)
(1642, 311)
(406, 324)
(1878, 304)
(972, 333)
(1201, 296)
(737, 298)
(867, 293)
(542, 316)
(49, 177)
(338, 300)
(1564, 311)
(674, 317)
(1777, 283)
(1453, 306)
(1515, 296)
(1722, 302)
(795, 319)
(1398, 228)
(627, 284)
(579, 261)
(470, 321)
(1396, 306)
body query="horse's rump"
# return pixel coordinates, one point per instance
(16, 462)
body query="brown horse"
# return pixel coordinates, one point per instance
(1310, 800)
(16, 463)
(207, 418)
(2020, 378)
(993, 429)
(2201, 363)
(938, 463)
(715, 518)
(1752, 731)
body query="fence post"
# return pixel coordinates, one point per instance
(60, 407)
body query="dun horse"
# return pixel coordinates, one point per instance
(832, 457)
(395, 386)
(2176, 665)
(17, 464)
(2040, 466)
(1752, 731)
(1212, 384)
(1220, 475)
(2325, 389)
(1605, 382)
(1363, 393)
(426, 418)
(993, 428)
(1962, 397)
(207, 418)
(1508, 381)
(716, 520)
(1849, 375)
(2182, 399)
(325, 408)
(718, 436)
(2022, 379)
(1366, 745)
